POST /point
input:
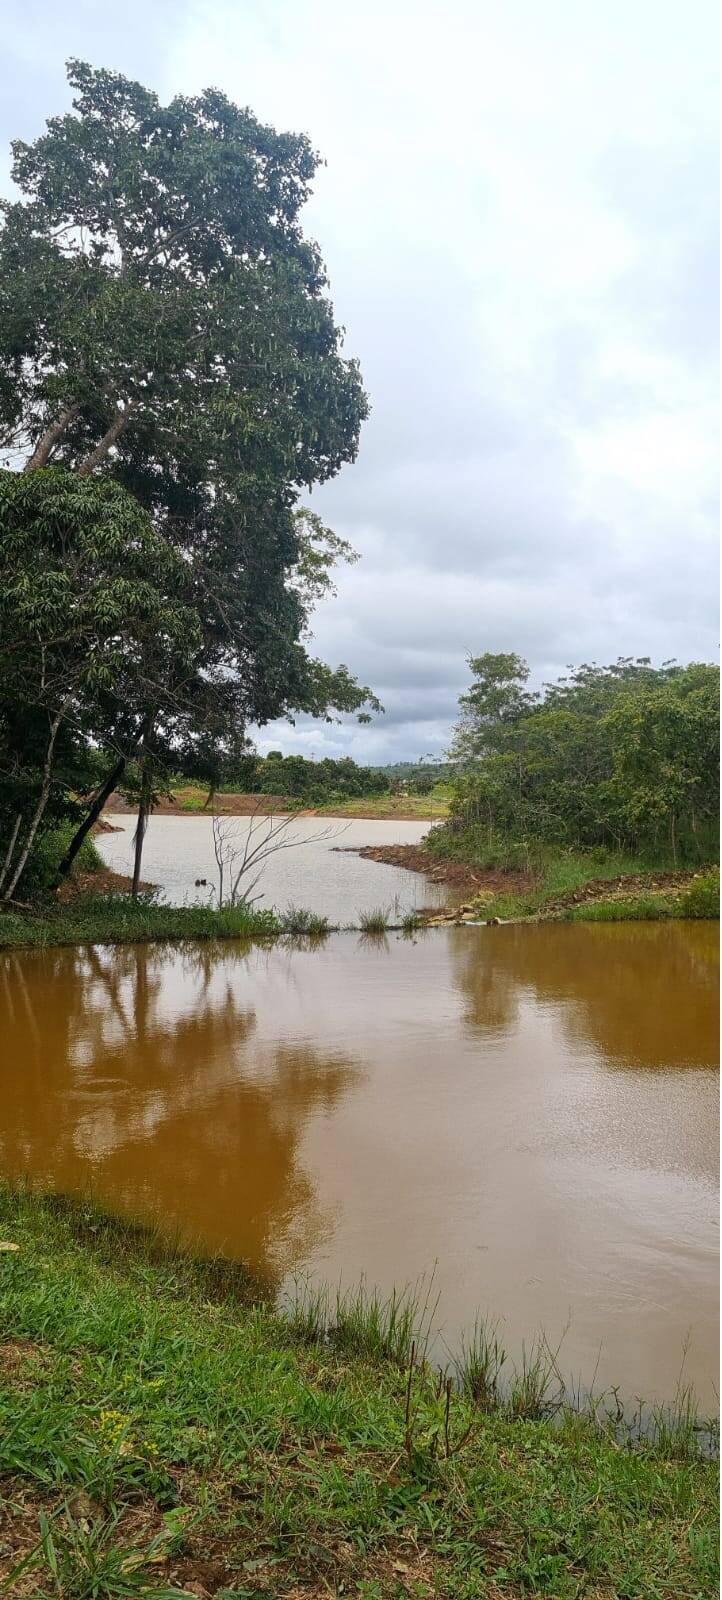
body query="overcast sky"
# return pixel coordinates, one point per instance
(519, 219)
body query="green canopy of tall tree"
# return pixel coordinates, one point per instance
(165, 323)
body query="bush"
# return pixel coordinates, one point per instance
(703, 896)
(47, 854)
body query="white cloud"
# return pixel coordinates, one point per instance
(517, 217)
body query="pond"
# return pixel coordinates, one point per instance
(531, 1111)
(319, 871)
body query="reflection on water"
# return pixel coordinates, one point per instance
(140, 1070)
(532, 1108)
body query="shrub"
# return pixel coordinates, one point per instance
(703, 896)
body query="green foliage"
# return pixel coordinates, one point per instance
(156, 270)
(51, 847)
(165, 330)
(702, 898)
(94, 609)
(298, 920)
(624, 757)
(317, 782)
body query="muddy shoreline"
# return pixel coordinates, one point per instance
(473, 882)
(459, 875)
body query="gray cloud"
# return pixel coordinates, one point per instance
(519, 219)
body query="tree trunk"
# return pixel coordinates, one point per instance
(103, 794)
(39, 809)
(143, 805)
(110, 437)
(10, 848)
(142, 823)
(52, 435)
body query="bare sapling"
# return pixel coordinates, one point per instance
(243, 846)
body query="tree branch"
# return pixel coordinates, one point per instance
(110, 437)
(48, 440)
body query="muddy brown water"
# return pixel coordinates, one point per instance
(533, 1109)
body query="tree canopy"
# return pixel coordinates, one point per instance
(624, 756)
(166, 331)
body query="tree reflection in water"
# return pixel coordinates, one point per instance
(640, 994)
(135, 1072)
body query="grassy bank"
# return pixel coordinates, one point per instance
(581, 886)
(192, 799)
(116, 919)
(162, 1434)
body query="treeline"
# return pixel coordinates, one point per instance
(624, 757)
(324, 782)
(316, 782)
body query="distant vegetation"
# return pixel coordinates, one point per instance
(320, 783)
(621, 759)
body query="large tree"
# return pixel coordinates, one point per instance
(165, 323)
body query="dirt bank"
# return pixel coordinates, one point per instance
(622, 888)
(191, 803)
(233, 805)
(100, 881)
(468, 880)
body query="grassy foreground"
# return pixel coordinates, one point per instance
(161, 1434)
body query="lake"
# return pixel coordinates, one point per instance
(530, 1110)
(320, 871)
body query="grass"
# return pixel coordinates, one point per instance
(117, 919)
(552, 876)
(376, 921)
(163, 1432)
(298, 920)
(361, 1320)
(193, 798)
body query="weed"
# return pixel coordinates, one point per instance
(479, 1366)
(296, 919)
(702, 898)
(375, 921)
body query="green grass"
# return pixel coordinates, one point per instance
(298, 920)
(376, 921)
(700, 900)
(554, 874)
(163, 1432)
(117, 919)
(193, 798)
